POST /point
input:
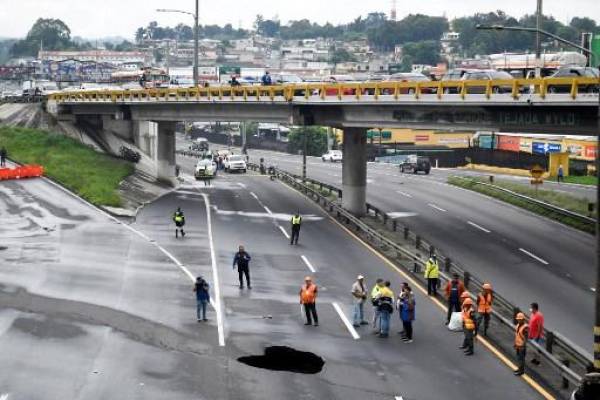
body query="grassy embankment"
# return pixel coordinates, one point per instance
(562, 200)
(94, 176)
(582, 180)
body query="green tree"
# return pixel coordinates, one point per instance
(316, 136)
(339, 55)
(424, 52)
(52, 34)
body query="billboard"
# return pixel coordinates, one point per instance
(591, 151)
(510, 143)
(545, 147)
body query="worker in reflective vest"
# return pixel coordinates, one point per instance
(296, 223)
(484, 307)
(308, 299)
(469, 327)
(179, 220)
(432, 274)
(521, 343)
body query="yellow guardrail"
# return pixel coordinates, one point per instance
(374, 90)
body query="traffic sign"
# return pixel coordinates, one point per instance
(545, 147)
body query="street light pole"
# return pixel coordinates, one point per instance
(196, 34)
(538, 40)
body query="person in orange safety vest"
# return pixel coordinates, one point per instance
(308, 299)
(521, 343)
(484, 307)
(469, 326)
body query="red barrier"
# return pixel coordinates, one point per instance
(25, 171)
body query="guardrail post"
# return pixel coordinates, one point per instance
(491, 178)
(418, 242)
(340, 193)
(385, 219)
(565, 381)
(406, 231)
(467, 279)
(447, 264)
(591, 209)
(431, 250)
(394, 225)
(416, 268)
(549, 341)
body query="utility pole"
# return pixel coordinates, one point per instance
(538, 40)
(196, 34)
(304, 155)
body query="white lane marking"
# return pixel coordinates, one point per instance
(283, 231)
(481, 228)
(218, 305)
(267, 210)
(404, 193)
(436, 207)
(534, 256)
(254, 195)
(346, 321)
(242, 185)
(399, 398)
(308, 264)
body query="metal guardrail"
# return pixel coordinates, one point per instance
(563, 362)
(550, 207)
(439, 90)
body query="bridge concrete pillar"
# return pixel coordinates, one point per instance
(165, 153)
(354, 171)
(145, 137)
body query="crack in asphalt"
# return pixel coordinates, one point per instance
(135, 328)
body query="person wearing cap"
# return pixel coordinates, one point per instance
(308, 299)
(375, 302)
(432, 274)
(521, 343)
(484, 307)
(359, 293)
(454, 289)
(469, 327)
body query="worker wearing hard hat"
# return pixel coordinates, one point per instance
(469, 326)
(308, 299)
(521, 343)
(484, 307)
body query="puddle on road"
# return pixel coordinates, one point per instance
(283, 358)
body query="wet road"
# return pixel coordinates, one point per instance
(91, 309)
(521, 254)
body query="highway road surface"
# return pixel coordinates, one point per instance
(526, 257)
(95, 308)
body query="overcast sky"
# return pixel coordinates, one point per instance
(101, 18)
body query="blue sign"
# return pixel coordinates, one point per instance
(545, 148)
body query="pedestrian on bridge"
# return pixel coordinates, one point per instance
(296, 224)
(375, 303)
(242, 260)
(179, 220)
(484, 307)
(521, 343)
(385, 301)
(432, 274)
(266, 79)
(454, 289)
(469, 327)
(3, 155)
(359, 292)
(536, 329)
(201, 288)
(308, 299)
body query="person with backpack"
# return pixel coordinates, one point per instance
(406, 310)
(179, 220)
(201, 288)
(454, 289)
(385, 307)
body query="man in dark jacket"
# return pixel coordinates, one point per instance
(266, 79)
(454, 289)
(201, 288)
(242, 260)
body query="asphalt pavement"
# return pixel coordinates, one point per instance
(95, 308)
(526, 257)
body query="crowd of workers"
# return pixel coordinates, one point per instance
(471, 313)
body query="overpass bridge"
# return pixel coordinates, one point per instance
(147, 117)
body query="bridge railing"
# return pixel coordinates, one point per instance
(567, 88)
(563, 363)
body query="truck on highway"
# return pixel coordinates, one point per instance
(414, 163)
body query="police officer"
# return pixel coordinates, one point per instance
(296, 223)
(179, 220)
(432, 274)
(242, 260)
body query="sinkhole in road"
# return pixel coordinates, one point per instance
(283, 358)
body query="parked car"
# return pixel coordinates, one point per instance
(235, 163)
(488, 75)
(340, 79)
(205, 169)
(200, 144)
(574, 72)
(409, 77)
(332, 156)
(414, 163)
(453, 75)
